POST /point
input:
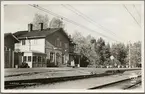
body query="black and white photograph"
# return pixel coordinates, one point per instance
(72, 46)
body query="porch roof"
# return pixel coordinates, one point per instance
(35, 52)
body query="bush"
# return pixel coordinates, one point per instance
(51, 64)
(24, 65)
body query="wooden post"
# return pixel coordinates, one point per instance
(13, 65)
(9, 64)
(55, 57)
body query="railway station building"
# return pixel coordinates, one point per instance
(45, 47)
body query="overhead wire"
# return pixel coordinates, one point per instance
(131, 15)
(70, 21)
(136, 10)
(89, 19)
(137, 13)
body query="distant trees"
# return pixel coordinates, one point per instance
(85, 48)
(124, 56)
(39, 18)
(97, 53)
(100, 50)
(120, 52)
(103, 52)
(107, 54)
(135, 53)
(54, 22)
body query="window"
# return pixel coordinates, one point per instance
(63, 58)
(25, 58)
(34, 58)
(51, 56)
(29, 58)
(39, 58)
(60, 43)
(23, 42)
(65, 45)
(35, 41)
(57, 42)
(43, 59)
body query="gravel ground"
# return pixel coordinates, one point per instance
(83, 83)
(33, 73)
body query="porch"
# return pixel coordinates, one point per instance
(34, 59)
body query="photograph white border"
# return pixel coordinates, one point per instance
(67, 90)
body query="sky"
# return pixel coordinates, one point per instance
(118, 24)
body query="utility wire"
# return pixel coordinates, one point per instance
(70, 21)
(137, 11)
(131, 15)
(91, 20)
(87, 18)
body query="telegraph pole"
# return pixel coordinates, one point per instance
(129, 55)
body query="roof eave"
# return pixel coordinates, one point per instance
(32, 37)
(16, 38)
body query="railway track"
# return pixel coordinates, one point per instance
(124, 87)
(15, 85)
(32, 82)
(132, 83)
(29, 82)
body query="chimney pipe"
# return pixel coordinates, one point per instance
(41, 26)
(30, 27)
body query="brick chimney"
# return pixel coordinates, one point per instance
(30, 27)
(41, 26)
(69, 36)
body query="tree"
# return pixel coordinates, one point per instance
(103, 52)
(100, 50)
(135, 53)
(39, 18)
(99, 45)
(56, 23)
(106, 54)
(85, 48)
(119, 51)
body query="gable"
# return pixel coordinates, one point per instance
(10, 36)
(61, 33)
